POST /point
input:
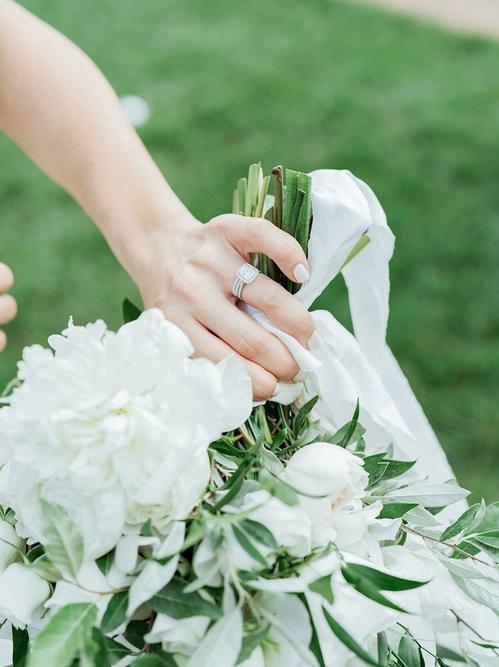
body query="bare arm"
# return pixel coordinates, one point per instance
(57, 106)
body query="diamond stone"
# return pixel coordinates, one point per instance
(247, 272)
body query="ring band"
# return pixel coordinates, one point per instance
(245, 275)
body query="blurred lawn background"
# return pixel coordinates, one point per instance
(411, 109)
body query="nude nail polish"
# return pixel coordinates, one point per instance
(301, 273)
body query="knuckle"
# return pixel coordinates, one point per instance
(289, 370)
(249, 346)
(183, 284)
(222, 222)
(257, 229)
(305, 326)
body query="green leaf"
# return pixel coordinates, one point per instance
(488, 539)
(409, 651)
(302, 227)
(346, 639)
(130, 311)
(115, 650)
(373, 462)
(350, 432)
(490, 520)
(259, 532)
(279, 489)
(235, 482)
(383, 649)
(64, 636)
(20, 642)
(135, 632)
(395, 510)
(64, 544)
(227, 449)
(251, 641)
(429, 494)
(460, 525)
(449, 654)
(153, 660)
(35, 552)
(242, 186)
(291, 182)
(115, 613)
(300, 418)
(369, 590)
(174, 602)
(358, 247)
(322, 586)
(194, 535)
(489, 645)
(314, 646)
(248, 546)
(382, 580)
(105, 562)
(147, 529)
(45, 569)
(95, 651)
(397, 468)
(484, 591)
(253, 188)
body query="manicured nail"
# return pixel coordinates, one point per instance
(313, 341)
(301, 274)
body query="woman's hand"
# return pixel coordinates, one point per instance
(85, 144)
(8, 306)
(189, 274)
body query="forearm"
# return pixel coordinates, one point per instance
(57, 106)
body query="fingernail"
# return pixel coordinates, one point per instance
(313, 341)
(301, 273)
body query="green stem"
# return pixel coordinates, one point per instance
(277, 173)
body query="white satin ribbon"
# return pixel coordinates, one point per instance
(346, 367)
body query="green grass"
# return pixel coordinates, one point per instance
(412, 110)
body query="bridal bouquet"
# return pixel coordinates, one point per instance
(151, 515)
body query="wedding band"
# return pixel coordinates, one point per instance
(245, 275)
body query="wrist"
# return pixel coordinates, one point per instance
(150, 238)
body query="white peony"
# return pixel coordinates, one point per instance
(22, 592)
(9, 544)
(330, 481)
(115, 428)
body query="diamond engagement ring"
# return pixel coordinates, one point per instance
(245, 275)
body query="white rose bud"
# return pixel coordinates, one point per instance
(9, 543)
(22, 591)
(328, 478)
